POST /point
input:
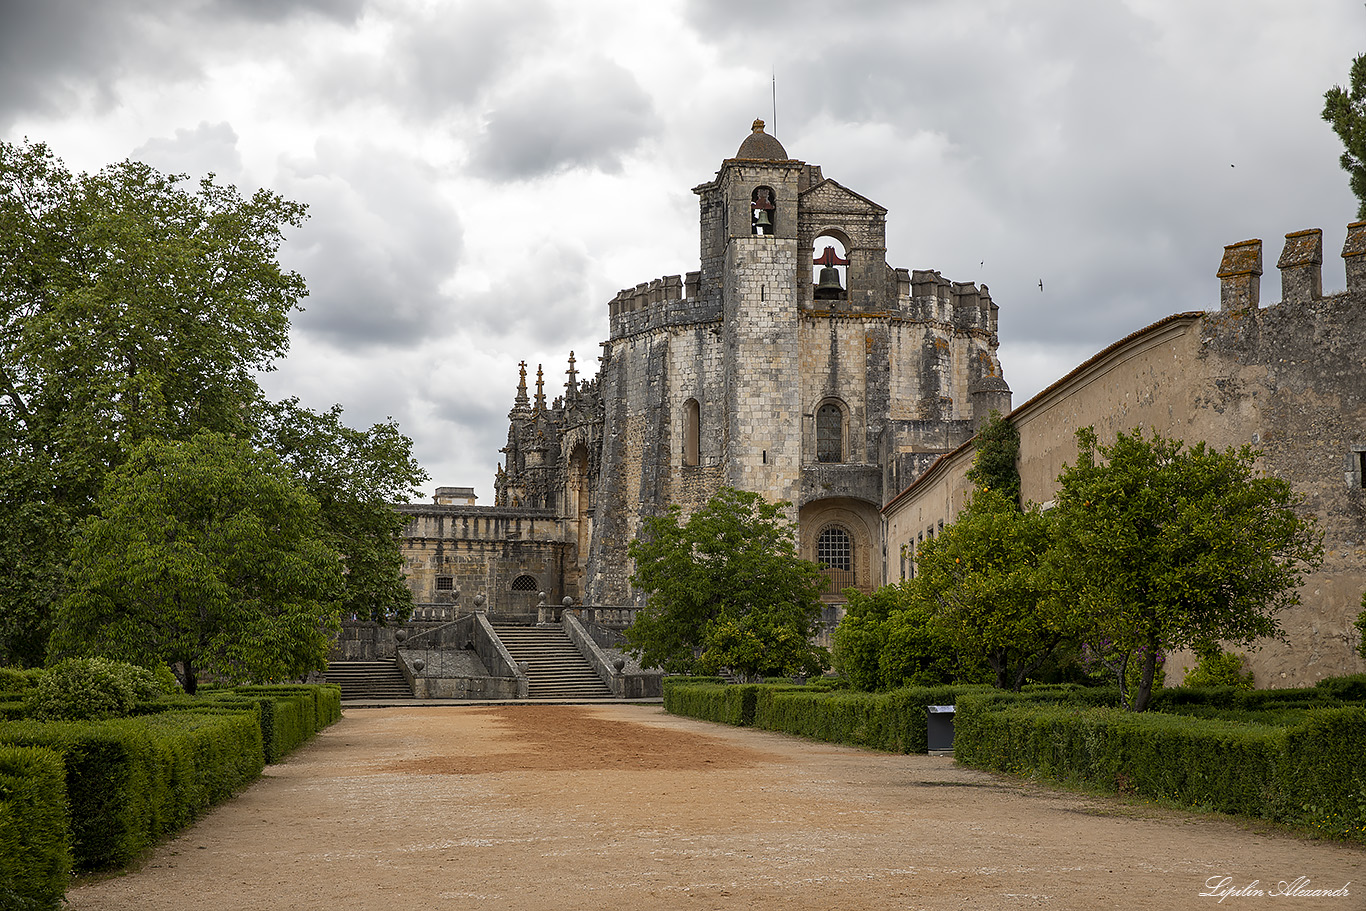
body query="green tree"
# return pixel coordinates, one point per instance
(132, 307)
(984, 579)
(205, 554)
(356, 476)
(998, 451)
(1160, 546)
(1345, 109)
(726, 588)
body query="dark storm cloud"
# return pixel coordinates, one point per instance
(376, 248)
(587, 117)
(55, 54)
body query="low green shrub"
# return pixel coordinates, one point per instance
(1218, 668)
(1349, 688)
(89, 689)
(35, 858)
(16, 680)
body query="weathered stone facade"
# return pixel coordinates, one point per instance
(827, 389)
(1289, 379)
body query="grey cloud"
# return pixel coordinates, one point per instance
(545, 305)
(588, 117)
(442, 59)
(208, 148)
(375, 250)
(57, 53)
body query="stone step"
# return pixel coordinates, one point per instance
(368, 679)
(555, 667)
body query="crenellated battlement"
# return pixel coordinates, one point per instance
(1300, 264)
(668, 301)
(925, 295)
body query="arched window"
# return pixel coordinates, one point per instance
(692, 427)
(835, 548)
(829, 433)
(524, 583)
(763, 212)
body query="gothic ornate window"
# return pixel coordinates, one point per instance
(524, 584)
(692, 426)
(829, 433)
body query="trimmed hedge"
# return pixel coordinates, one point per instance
(35, 859)
(893, 721)
(1311, 773)
(130, 781)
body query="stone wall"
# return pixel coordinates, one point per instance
(1289, 380)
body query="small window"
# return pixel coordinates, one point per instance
(835, 549)
(524, 584)
(1361, 469)
(692, 420)
(829, 433)
(445, 583)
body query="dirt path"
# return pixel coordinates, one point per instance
(624, 807)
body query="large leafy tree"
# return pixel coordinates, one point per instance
(1345, 109)
(132, 307)
(983, 579)
(1160, 546)
(726, 589)
(354, 475)
(205, 554)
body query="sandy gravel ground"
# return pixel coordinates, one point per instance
(626, 807)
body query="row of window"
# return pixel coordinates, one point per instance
(829, 433)
(520, 584)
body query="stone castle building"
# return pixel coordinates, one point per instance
(1288, 379)
(795, 362)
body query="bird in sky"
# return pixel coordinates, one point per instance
(1040, 285)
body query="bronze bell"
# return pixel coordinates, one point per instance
(761, 218)
(829, 287)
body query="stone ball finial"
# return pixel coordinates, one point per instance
(480, 600)
(401, 635)
(618, 663)
(567, 600)
(542, 594)
(418, 664)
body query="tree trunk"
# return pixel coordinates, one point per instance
(191, 680)
(1145, 682)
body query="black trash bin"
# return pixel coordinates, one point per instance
(939, 728)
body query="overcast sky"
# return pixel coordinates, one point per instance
(482, 177)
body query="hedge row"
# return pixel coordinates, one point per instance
(1313, 772)
(35, 859)
(122, 784)
(894, 721)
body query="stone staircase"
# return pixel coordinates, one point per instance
(368, 679)
(555, 668)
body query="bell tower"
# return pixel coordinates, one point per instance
(751, 266)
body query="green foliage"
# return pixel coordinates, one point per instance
(726, 589)
(1219, 668)
(1308, 772)
(888, 640)
(205, 554)
(132, 306)
(1345, 109)
(984, 582)
(1159, 547)
(16, 680)
(83, 689)
(35, 858)
(895, 721)
(998, 451)
(355, 476)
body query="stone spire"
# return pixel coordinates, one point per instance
(521, 404)
(571, 388)
(540, 388)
